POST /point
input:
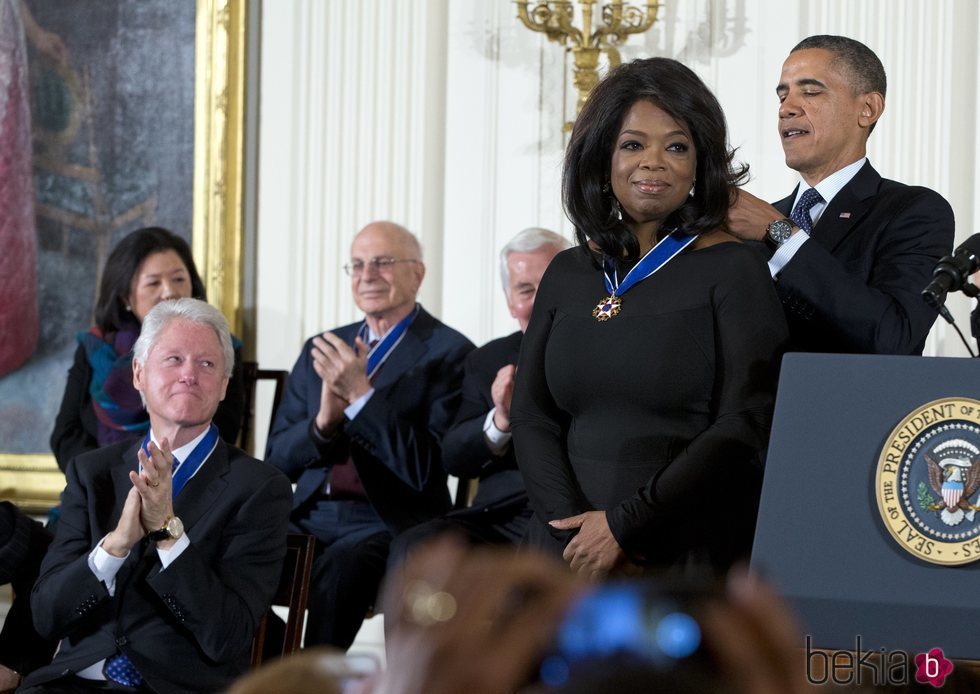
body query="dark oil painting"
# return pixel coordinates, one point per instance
(109, 88)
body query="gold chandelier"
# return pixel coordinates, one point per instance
(618, 20)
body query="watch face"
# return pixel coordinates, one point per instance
(780, 230)
(171, 531)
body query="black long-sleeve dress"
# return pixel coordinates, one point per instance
(657, 415)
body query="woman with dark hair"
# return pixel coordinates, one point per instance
(100, 405)
(638, 420)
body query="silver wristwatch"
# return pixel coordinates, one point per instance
(778, 232)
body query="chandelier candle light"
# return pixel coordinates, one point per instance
(618, 20)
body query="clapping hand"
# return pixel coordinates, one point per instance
(155, 485)
(502, 392)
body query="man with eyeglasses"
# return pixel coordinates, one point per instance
(360, 428)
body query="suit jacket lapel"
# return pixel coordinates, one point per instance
(408, 351)
(847, 208)
(785, 206)
(120, 478)
(198, 495)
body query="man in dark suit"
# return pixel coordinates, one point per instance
(168, 551)
(23, 544)
(478, 443)
(850, 251)
(360, 429)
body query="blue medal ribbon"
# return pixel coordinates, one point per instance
(656, 258)
(381, 351)
(185, 469)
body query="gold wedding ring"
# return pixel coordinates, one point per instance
(425, 606)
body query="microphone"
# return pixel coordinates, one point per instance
(952, 272)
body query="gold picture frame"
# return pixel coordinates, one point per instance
(34, 481)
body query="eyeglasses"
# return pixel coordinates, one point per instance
(355, 268)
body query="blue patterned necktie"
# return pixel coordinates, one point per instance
(801, 213)
(119, 669)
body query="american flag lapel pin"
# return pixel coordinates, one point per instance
(845, 215)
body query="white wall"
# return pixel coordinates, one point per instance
(352, 119)
(445, 115)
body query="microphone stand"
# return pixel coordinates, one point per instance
(952, 273)
(970, 290)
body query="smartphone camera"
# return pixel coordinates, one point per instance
(643, 626)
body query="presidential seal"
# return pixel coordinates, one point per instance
(928, 482)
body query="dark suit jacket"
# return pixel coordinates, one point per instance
(395, 441)
(186, 628)
(855, 286)
(23, 544)
(465, 450)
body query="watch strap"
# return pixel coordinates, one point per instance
(158, 535)
(770, 242)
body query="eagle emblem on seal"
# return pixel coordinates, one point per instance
(955, 477)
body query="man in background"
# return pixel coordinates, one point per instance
(850, 251)
(478, 445)
(23, 543)
(360, 429)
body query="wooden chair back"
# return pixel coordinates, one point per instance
(251, 375)
(292, 593)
